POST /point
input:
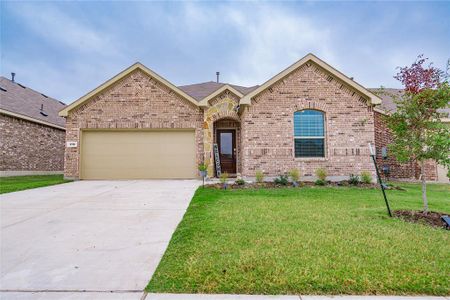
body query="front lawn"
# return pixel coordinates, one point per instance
(312, 240)
(19, 183)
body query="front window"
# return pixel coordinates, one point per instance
(309, 133)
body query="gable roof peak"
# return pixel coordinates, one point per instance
(374, 99)
(121, 75)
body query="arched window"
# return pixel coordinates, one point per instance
(309, 133)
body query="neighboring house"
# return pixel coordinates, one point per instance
(32, 134)
(139, 125)
(383, 137)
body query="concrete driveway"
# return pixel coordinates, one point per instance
(94, 236)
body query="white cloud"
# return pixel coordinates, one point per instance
(269, 38)
(59, 28)
(273, 39)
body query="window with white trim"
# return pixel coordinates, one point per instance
(309, 133)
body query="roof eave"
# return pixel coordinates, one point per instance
(31, 119)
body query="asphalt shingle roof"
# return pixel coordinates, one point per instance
(200, 90)
(17, 98)
(388, 103)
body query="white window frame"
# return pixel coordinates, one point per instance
(312, 137)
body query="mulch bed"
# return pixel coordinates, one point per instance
(273, 185)
(431, 218)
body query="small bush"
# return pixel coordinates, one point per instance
(240, 181)
(259, 176)
(319, 182)
(321, 174)
(366, 177)
(354, 179)
(223, 177)
(295, 175)
(282, 180)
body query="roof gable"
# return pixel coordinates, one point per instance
(374, 99)
(205, 101)
(121, 75)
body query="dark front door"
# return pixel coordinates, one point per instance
(226, 142)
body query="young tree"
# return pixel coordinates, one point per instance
(418, 133)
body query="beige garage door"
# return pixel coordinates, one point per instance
(137, 154)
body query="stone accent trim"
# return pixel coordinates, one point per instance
(222, 107)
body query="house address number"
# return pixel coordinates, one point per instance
(71, 144)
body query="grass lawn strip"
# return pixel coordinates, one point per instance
(312, 240)
(19, 183)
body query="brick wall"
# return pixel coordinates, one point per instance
(398, 170)
(29, 146)
(135, 102)
(267, 126)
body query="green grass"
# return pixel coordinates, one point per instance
(312, 240)
(19, 183)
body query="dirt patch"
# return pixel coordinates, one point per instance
(431, 218)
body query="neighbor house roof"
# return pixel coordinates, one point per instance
(23, 102)
(388, 105)
(201, 90)
(374, 99)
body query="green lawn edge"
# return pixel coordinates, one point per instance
(19, 183)
(213, 248)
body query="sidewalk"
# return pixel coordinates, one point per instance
(80, 295)
(265, 297)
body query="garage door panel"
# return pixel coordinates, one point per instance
(138, 154)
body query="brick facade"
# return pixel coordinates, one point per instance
(135, 102)
(267, 126)
(264, 129)
(410, 170)
(26, 146)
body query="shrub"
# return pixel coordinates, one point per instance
(321, 174)
(354, 179)
(295, 175)
(223, 177)
(366, 177)
(240, 181)
(282, 180)
(202, 167)
(259, 176)
(319, 182)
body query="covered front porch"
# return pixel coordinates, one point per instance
(222, 136)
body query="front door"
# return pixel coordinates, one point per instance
(226, 142)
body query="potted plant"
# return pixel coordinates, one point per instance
(224, 179)
(202, 168)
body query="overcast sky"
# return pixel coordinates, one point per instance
(66, 49)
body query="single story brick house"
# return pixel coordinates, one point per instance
(32, 134)
(138, 125)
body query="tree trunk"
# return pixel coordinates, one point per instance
(424, 187)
